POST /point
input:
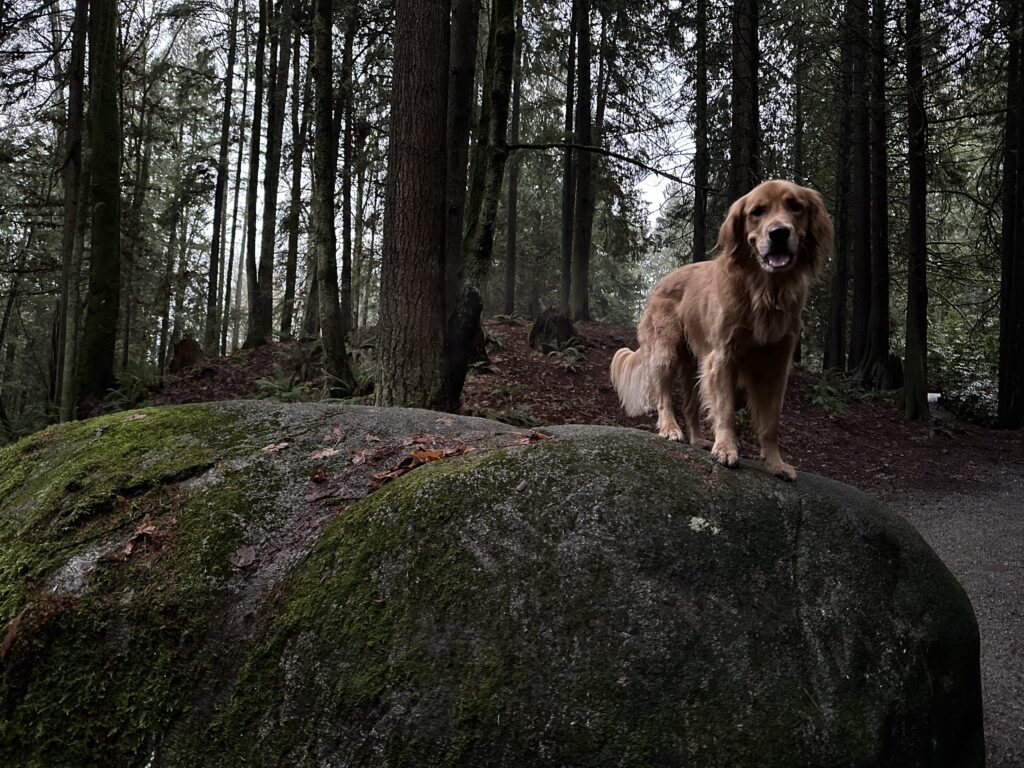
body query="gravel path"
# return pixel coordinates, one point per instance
(978, 530)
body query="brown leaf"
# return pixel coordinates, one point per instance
(360, 455)
(136, 417)
(445, 420)
(428, 455)
(12, 633)
(371, 438)
(526, 438)
(274, 447)
(319, 476)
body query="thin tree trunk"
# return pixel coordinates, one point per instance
(744, 140)
(579, 292)
(700, 136)
(462, 73)
(835, 335)
(236, 312)
(916, 364)
(71, 175)
(411, 329)
(299, 130)
(238, 187)
(490, 153)
(96, 364)
(212, 325)
(72, 338)
(346, 97)
(325, 148)
(860, 187)
(135, 226)
(874, 369)
(167, 285)
(569, 164)
(252, 186)
(1011, 290)
(358, 252)
(512, 209)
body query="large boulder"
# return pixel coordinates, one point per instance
(260, 584)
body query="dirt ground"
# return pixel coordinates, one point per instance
(960, 485)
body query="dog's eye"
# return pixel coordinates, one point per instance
(757, 210)
(794, 205)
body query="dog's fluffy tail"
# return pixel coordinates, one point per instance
(629, 377)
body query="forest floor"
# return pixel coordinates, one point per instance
(960, 485)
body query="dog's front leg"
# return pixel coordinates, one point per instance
(718, 386)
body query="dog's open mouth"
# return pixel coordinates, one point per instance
(776, 260)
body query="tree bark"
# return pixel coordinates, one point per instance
(916, 364)
(71, 175)
(874, 369)
(325, 156)
(1010, 409)
(744, 140)
(96, 361)
(346, 99)
(212, 325)
(251, 192)
(411, 329)
(579, 293)
(135, 236)
(569, 164)
(301, 95)
(700, 135)
(490, 154)
(512, 208)
(860, 186)
(834, 357)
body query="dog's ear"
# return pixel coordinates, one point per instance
(733, 232)
(820, 238)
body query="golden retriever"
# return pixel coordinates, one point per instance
(731, 324)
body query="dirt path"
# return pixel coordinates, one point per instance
(979, 532)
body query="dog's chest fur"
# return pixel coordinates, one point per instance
(775, 310)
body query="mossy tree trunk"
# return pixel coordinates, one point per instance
(96, 354)
(490, 154)
(916, 363)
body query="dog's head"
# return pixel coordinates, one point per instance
(780, 227)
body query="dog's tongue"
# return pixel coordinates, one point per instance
(777, 260)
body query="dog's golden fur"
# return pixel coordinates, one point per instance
(731, 323)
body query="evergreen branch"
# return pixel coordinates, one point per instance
(607, 153)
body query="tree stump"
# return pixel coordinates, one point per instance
(187, 353)
(552, 331)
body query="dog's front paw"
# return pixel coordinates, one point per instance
(672, 433)
(779, 468)
(725, 454)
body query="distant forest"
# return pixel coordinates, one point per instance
(221, 175)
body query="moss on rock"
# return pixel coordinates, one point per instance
(603, 598)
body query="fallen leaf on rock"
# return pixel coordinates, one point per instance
(427, 455)
(319, 476)
(325, 453)
(144, 536)
(275, 447)
(525, 438)
(360, 455)
(136, 417)
(446, 420)
(243, 557)
(371, 438)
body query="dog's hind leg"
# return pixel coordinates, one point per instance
(718, 387)
(661, 371)
(691, 399)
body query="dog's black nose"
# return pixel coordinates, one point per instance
(778, 234)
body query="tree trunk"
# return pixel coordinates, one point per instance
(744, 141)
(254, 338)
(212, 325)
(261, 303)
(301, 95)
(346, 99)
(1011, 289)
(167, 286)
(71, 175)
(96, 362)
(512, 209)
(135, 236)
(834, 357)
(569, 164)
(325, 149)
(490, 153)
(916, 364)
(411, 329)
(860, 186)
(700, 136)
(238, 186)
(579, 293)
(874, 369)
